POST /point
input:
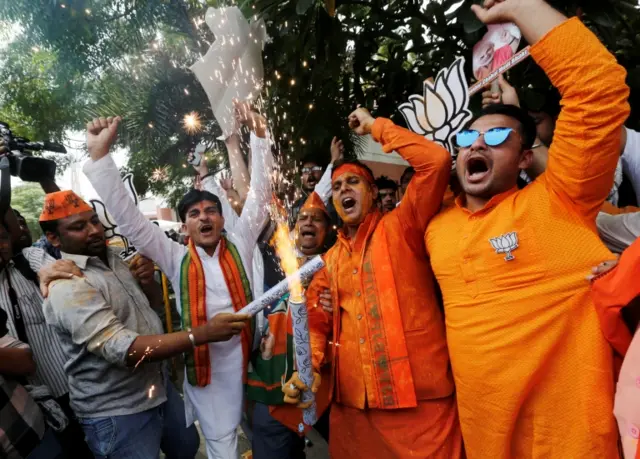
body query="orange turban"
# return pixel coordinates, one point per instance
(314, 202)
(62, 204)
(354, 169)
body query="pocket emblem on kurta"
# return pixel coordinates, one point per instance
(506, 244)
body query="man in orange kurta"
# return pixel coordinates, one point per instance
(392, 384)
(533, 372)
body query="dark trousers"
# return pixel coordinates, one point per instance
(273, 440)
(72, 439)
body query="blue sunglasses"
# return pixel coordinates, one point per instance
(493, 137)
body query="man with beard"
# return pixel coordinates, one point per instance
(392, 388)
(275, 424)
(533, 372)
(105, 324)
(212, 276)
(387, 193)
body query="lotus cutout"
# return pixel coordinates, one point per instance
(443, 110)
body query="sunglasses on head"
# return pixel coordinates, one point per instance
(493, 137)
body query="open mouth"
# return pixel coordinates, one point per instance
(307, 233)
(348, 203)
(477, 168)
(206, 230)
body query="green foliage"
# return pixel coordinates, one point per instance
(90, 57)
(27, 199)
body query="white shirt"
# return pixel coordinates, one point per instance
(218, 406)
(618, 231)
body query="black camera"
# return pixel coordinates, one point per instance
(21, 163)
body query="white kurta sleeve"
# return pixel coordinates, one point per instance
(323, 187)
(618, 231)
(148, 238)
(256, 208)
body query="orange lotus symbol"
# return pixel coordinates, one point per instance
(505, 244)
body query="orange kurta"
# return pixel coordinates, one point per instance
(394, 394)
(533, 372)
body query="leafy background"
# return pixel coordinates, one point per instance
(66, 61)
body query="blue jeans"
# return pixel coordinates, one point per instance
(132, 436)
(178, 440)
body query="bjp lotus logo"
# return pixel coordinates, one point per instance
(505, 244)
(443, 110)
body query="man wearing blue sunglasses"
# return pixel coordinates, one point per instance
(533, 372)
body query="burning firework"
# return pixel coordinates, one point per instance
(192, 123)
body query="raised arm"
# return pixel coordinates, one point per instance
(209, 184)
(256, 208)
(586, 142)
(103, 174)
(323, 187)
(238, 166)
(432, 164)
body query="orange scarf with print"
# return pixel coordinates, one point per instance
(194, 306)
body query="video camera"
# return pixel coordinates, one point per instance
(25, 166)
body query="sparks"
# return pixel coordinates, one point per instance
(191, 123)
(160, 174)
(310, 106)
(293, 82)
(304, 63)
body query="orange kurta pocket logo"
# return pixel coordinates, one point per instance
(505, 243)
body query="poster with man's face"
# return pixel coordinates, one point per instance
(498, 45)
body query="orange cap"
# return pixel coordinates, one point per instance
(314, 202)
(62, 204)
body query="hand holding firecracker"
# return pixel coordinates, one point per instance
(294, 388)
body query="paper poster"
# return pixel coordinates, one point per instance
(232, 68)
(496, 53)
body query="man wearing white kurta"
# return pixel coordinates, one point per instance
(218, 405)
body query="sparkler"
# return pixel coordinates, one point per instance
(192, 123)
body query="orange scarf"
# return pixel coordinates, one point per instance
(194, 307)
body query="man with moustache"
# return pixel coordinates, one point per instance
(111, 337)
(533, 372)
(275, 423)
(387, 193)
(392, 388)
(212, 276)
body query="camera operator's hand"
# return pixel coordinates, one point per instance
(101, 132)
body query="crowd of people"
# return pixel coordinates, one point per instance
(485, 312)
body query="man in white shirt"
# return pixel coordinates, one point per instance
(208, 276)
